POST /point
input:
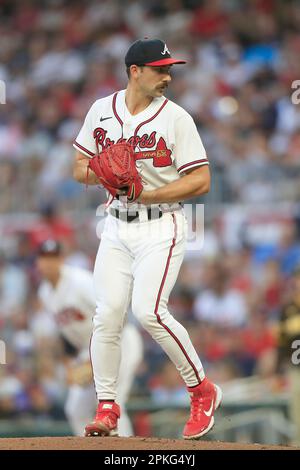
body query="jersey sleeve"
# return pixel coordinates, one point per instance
(189, 150)
(85, 141)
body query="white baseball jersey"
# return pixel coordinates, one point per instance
(164, 136)
(72, 303)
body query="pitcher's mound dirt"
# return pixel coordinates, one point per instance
(130, 443)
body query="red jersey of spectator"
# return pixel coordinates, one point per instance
(257, 338)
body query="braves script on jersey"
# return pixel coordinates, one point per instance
(164, 137)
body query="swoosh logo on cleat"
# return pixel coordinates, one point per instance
(208, 413)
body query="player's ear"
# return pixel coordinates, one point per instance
(134, 71)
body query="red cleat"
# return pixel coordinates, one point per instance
(205, 399)
(106, 420)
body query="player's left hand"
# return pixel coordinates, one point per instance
(116, 170)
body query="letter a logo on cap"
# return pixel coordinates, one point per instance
(166, 50)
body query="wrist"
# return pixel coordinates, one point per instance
(146, 197)
(93, 179)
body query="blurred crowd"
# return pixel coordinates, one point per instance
(56, 58)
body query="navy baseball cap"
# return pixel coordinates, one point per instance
(49, 247)
(153, 52)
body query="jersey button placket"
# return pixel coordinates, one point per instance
(127, 130)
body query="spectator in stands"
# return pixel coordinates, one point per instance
(219, 304)
(51, 225)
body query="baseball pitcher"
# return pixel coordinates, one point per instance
(146, 151)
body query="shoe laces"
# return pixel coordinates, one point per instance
(197, 403)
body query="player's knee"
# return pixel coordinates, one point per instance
(146, 318)
(152, 321)
(108, 317)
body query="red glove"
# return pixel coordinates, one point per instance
(116, 170)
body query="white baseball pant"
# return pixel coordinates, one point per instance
(139, 261)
